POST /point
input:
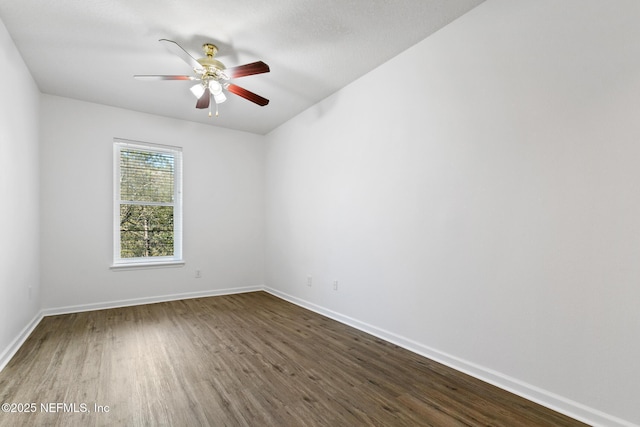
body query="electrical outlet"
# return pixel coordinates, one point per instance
(309, 280)
(198, 274)
(335, 285)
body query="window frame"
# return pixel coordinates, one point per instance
(153, 261)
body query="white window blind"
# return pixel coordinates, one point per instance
(147, 203)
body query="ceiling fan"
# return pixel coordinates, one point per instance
(213, 76)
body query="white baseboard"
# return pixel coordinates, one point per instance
(15, 345)
(149, 300)
(535, 394)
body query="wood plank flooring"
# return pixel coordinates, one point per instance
(239, 360)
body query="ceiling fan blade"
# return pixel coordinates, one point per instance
(178, 50)
(250, 96)
(204, 100)
(162, 77)
(258, 67)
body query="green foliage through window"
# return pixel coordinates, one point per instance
(146, 203)
(146, 231)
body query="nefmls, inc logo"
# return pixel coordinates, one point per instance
(55, 407)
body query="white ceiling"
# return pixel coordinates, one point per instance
(90, 49)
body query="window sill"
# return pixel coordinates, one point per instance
(147, 265)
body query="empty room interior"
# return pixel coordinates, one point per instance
(380, 213)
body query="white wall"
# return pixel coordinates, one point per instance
(478, 198)
(223, 206)
(19, 262)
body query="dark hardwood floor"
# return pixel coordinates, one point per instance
(239, 360)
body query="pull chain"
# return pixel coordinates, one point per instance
(210, 102)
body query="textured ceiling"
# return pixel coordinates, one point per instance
(90, 49)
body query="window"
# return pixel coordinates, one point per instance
(147, 204)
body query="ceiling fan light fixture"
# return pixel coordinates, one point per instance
(219, 97)
(216, 90)
(215, 87)
(197, 90)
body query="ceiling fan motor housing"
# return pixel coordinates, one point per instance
(212, 67)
